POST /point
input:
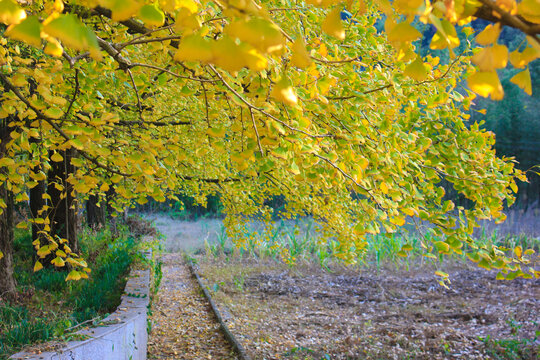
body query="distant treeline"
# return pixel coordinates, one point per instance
(515, 120)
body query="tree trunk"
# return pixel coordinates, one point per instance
(64, 212)
(7, 281)
(37, 202)
(95, 215)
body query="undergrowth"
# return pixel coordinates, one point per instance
(301, 242)
(48, 307)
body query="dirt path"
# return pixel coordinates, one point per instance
(182, 325)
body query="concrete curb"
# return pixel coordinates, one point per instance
(237, 346)
(124, 334)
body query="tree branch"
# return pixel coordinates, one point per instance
(488, 9)
(9, 86)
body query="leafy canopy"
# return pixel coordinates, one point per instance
(256, 99)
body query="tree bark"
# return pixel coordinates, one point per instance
(95, 215)
(64, 212)
(7, 281)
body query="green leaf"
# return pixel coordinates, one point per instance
(71, 31)
(29, 31)
(152, 15)
(417, 70)
(403, 32)
(442, 247)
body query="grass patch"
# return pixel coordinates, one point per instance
(515, 347)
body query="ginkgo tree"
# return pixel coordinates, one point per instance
(136, 99)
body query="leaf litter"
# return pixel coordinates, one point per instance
(183, 326)
(305, 312)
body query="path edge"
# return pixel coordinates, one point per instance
(237, 346)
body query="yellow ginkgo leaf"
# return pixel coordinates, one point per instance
(10, 12)
(398, 220)
(56, 157)
(284, 92)
(521, 59)
(409, 212)
(194, 48)
(489, 35)
(37, 266)
(332, 25)
(252, 58)
(216, 132)
(486, 84)
(28, 30)
(185, 20)
(500, 56)
(417, 70)
(53, 47)
(54, 112)
(403, 32)
(224, 54)
(173, 5)
(259, 33)
(73, 275)
(300, 57)
(408, 7)
(384, 188)
(518, 250)
(70, 30)
(1, 255)
(121, 9)
(491, 58)
(385, 6)
(523, 80)
(530, 10)
(43, 251)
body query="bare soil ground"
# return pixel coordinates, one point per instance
(309, 313)
(306, 312)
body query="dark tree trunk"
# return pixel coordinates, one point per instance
(95, 215)
(7, 281)
(37, 202)
(64, 212)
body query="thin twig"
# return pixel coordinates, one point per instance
(139, 105)
(75, 93)
(256, 131)
(171, 73)
(251, 106)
